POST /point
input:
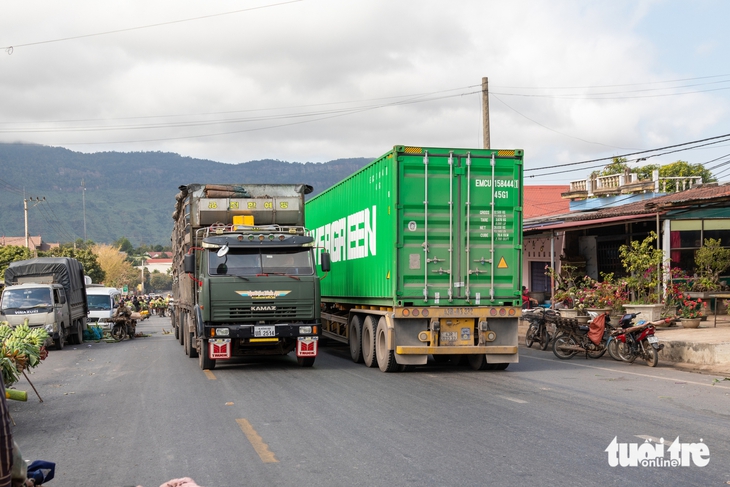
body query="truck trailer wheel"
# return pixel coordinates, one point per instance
(355, 339)
(204, 359)
(369, 330)
(193, 350)
(386, 358)
(478, 362)
(180, 329)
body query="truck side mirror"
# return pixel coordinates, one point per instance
(325, 261)
(62, 299)
(189, 263)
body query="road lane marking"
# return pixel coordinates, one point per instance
(266, 455)
(519, 401)
(210, 375)
(627, 372)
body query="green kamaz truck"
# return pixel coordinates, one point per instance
(426, 254)
(244, 278)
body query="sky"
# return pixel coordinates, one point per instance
(317, 80)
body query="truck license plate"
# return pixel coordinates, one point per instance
(264, 331)
(652, 339)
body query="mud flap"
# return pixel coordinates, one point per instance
(307, 346)
(219, 349)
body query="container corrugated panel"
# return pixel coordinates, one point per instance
(416, 227)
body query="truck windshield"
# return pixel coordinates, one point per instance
(247, 262)
(26, 298)
(99, 302)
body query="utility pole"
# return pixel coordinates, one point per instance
(485, 112)
(142, 285)
(25, 212)
(83, 199)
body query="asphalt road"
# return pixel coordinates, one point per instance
(141, 412)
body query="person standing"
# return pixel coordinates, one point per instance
(6, 441)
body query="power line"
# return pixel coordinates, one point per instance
(725, 136)
(553, 130)
(10, 49)
(606, 86)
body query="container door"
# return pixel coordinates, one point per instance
(455, 249)
(490, 250)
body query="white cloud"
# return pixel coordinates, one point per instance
(302, 60)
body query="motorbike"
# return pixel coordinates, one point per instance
(538, 329)
(124, 323)
(572, 338)
(637, 341)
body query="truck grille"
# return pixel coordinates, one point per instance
(245, 313)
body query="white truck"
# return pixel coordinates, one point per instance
(103, 303)
(48, 292)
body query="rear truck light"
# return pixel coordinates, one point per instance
(305, 330)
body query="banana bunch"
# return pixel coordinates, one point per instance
(22, 348)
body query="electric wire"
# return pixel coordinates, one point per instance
(491, 95)
(648, 151)
(11, 48)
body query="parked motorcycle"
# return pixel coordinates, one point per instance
(572, 338)
(637, 341)
(538, 329)
(124, 323)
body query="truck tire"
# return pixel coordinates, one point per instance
(386, 358)
(186, 344)
(58, 344)
(204, 360)
(355, 339)
(478, 362)
(305, 361)
(181, 328)
(77, 337)
(369, 331)
(173, 322)
(192, 351)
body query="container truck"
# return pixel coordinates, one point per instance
(425, 248)
(48, 292)
(244, 280)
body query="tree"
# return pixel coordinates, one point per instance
(117, 270)
(160, 282)
(124, 245)
(684, 169)
(11, 253)
(676, 169)
(86, 257)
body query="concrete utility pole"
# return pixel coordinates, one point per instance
(485, 112)
(83, 199)
(25, 212)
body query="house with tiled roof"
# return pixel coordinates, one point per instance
(590, 240)
(35, 243)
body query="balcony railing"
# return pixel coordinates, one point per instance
(629, 183)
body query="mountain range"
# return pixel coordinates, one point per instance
(128, 195)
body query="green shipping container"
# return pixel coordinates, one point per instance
(424, 226)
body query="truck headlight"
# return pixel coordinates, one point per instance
(305, 330)
(49, 327)
(222, 332)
